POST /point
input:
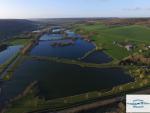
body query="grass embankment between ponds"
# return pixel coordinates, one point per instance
(75, 62)
(14, 41)
(88, 53)
(7, 63)
(26, 94)
(29, 46)
(91, 52)
(28, 43)
(23, 41)
(10, 66)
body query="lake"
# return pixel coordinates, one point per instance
(47, 37)
(74, 51)
(57, 80)
(77, 50)
(71, 34)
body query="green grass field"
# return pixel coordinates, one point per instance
(19, 41)
(106, 35)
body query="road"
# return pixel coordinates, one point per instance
(94, 105)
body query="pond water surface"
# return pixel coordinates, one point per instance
(8, 53)
(77, 50)
(74, 51)
(71, 34)
(48, 37)
(98, 57)
(59, 80)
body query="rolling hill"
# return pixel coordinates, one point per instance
(11, 27)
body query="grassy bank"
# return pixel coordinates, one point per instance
(12, 66)
(18, 41)
(7, 63)
(105, 35)
(75, 62)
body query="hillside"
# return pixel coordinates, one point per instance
(10, 27)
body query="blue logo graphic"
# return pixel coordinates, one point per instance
(138, 103)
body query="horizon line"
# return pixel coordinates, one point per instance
(73, 18)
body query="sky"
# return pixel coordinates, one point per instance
(73, 8)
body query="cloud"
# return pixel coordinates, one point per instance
(133, 9)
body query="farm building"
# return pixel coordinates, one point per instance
(129, 47)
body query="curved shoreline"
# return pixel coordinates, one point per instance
(75, 62)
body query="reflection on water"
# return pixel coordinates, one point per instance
(98, 57)
(8, 53)
(77, 50)
(51, 37)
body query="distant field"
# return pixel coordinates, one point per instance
(18, 41)
(105, 36)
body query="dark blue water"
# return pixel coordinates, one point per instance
(62, 41)
(77, 50)
(98, 57)
(59, 80)
(8, 53)
(47, 37)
